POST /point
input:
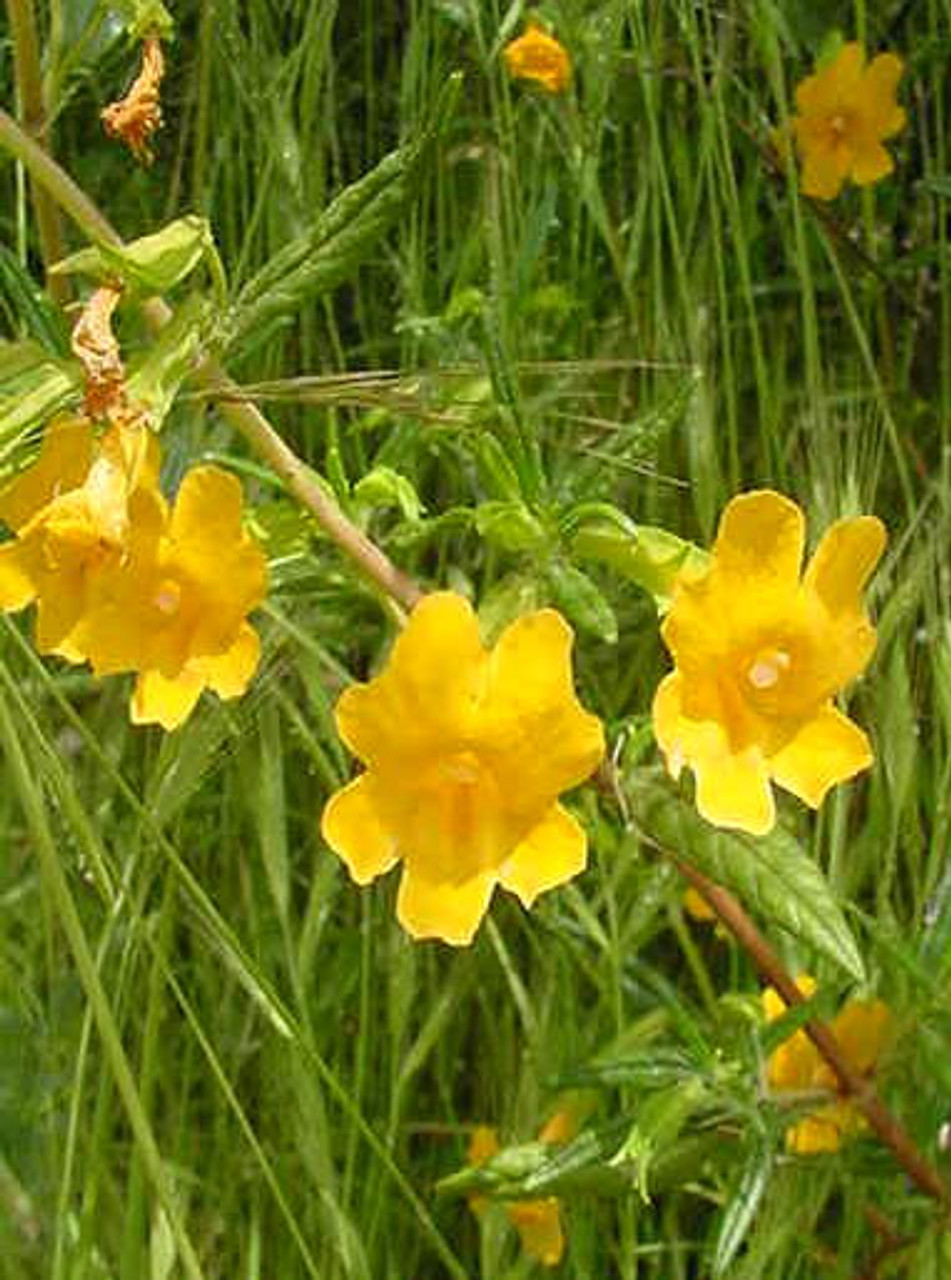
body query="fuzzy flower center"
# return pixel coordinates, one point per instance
(767, 668)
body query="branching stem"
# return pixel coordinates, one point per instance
(852, 1083)
(245, 418)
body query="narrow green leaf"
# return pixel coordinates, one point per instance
(742, 1207)
(581, 601)
(771, 874)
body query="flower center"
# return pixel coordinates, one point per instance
(461, 769)
(767, 668)
(168, 596)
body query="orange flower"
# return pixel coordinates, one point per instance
(863, 1029)
(538, 1222)
(538, 57)
(138, 115)
(467, 751)
(845, 111)
(759, 654)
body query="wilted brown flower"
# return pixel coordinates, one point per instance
(136, 117)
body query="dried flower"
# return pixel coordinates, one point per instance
(863, 1029)
(467, 752)
(845, 111)
(97, 350)
(539, 57)
(759, 655)
(138, 115)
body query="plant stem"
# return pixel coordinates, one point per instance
(244, 417)
(852, 1083)
(29, 83)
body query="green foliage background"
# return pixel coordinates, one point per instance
(220, 1058)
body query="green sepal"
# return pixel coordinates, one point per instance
(384, 487)
(151, 264)
(143, 17)
(772, 875)
(660, 1121)
(510, 525)
(649, 556)
(155, 378)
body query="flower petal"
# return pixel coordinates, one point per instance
(452, 912)
(532, 724)
(428, 691)
(351, 826)
(825, 92)
(229, 673)
(732, 787)
(752, 579)
(538, 1223)
(843, 563)
(870, 162)
(882, 113)
(826, 750)
(17, 575)
(552, 853)
(62, 464)
(159, 700)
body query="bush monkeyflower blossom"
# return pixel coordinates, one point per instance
(467, 751)
(845, 111)
(70, 514)
(125, 583)
(174, 610)
(863, 1028)
(759, 653)
(538, 57)
(538, 1222)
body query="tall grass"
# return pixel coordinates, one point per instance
(218, 1057)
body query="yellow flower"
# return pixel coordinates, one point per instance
(863, 1029)
(759, 655)
(537, 56)
(175, 609)
(845, 110)
(697, 906)
(467, 751)
(125, 584)
(70, 514)
(538, 1222)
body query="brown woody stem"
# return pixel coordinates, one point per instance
(245, 418)
(852, 1083)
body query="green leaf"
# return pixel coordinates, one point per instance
(33, 386)
(153, 263)
(342, 235)
(581, 601)
(742, 1207)
(772, 875)
(660, 1121)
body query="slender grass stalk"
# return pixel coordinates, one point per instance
(26, 61)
